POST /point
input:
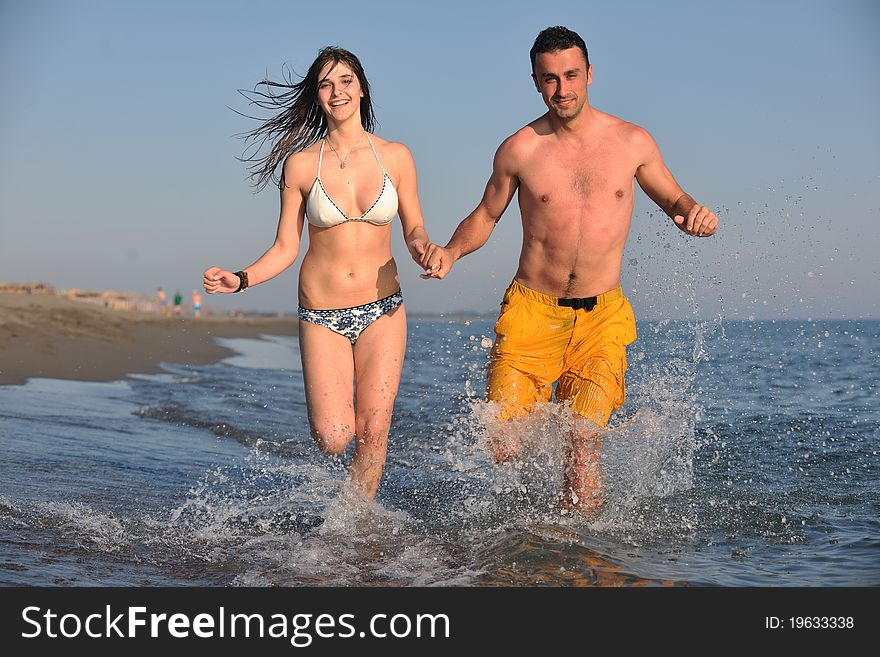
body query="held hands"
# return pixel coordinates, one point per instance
(423, 252)
(435, 260)
(217, 280)
(700, 221)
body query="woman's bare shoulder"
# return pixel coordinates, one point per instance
(394, 153)
(302, 165)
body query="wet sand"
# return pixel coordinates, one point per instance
(42, 335)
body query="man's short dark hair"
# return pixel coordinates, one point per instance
(557, 38)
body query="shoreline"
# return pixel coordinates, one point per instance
(48, 336)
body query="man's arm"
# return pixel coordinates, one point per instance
(658, 183)
(475, 229)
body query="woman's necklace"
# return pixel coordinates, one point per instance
(343, 160)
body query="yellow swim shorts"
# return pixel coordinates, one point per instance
(538, 342)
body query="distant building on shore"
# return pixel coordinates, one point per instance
(26, 288)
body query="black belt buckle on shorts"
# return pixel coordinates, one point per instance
(587, 303)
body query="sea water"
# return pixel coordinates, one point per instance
(746, 454)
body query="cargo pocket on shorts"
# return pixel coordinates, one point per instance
(597, 389)
(509, 304)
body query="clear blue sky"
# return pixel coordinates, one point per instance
(117, 147)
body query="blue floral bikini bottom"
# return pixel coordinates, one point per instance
(351, 322)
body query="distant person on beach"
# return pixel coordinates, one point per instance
(351, 314)
(178, 299)
(564, 317)
(163, 301)
(197, 303)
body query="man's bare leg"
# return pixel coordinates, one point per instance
(583, 489)
(505, 441)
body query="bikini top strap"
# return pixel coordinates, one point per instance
(320, 157)
(376, 154)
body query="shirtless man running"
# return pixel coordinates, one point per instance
(564, 317)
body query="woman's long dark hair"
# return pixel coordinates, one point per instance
(298, 121)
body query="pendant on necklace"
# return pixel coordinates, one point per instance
(342, 165)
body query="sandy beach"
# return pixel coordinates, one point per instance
(44, 335)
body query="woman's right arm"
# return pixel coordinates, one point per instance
(283, 251)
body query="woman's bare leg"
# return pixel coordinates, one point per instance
(328, 373)
(378, 356)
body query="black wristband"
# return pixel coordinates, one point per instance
(243, 281)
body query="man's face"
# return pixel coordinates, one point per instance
(562, 78)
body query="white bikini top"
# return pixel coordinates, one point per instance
(322, 211)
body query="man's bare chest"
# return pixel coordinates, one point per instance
(595, 176)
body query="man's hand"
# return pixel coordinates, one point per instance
(436, 261)
(700, 221)
(419, 250)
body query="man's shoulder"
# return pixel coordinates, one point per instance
(626, 131)
(522, 142)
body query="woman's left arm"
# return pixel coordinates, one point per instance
(408, 208)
